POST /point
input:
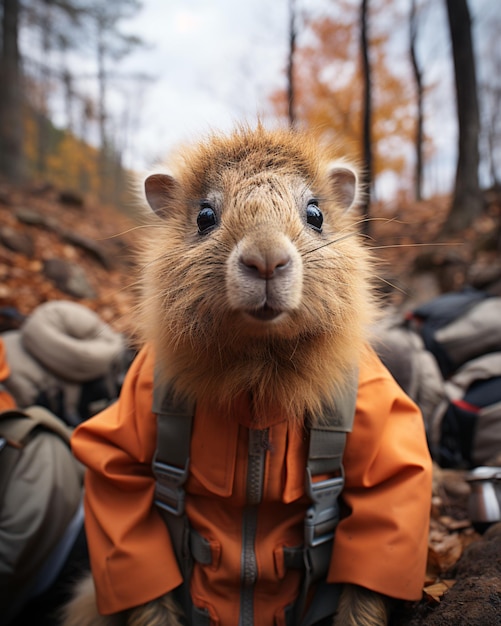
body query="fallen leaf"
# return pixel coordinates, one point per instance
(443, 554)
(436, 591)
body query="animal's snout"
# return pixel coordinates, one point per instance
(265, 264)
(264, 276)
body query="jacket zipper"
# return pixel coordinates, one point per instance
(258, 445)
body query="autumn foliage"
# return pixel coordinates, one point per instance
(328, 88)
(70, 163)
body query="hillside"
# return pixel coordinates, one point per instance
(419, 262)
(53, 245)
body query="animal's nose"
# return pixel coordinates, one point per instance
(265, 264)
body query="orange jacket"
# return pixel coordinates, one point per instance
(6, 400)
(381, 545)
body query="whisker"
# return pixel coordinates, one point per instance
(366, 220)
(129, 230)
(415, 245)
(390, 284)
(334, 241)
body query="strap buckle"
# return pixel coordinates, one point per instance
(169, 492)
(322, 516)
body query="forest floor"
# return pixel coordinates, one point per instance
(49, 239)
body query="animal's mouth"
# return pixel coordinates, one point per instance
(265, 313)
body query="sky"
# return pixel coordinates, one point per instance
(215, 63)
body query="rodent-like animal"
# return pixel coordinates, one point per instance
(254, 279)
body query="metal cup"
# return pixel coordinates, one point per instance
(484, 503)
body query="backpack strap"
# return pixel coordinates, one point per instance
(170, 468)
(325, 457)
(16, 428)
(16, 424)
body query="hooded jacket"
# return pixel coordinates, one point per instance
(381, 543)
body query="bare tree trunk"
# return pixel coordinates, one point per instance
(418, 77)
(101, 103)
(42, 114)
(290, 65)
(367, 116)
(11, 100)
(491, 128)
(104, 142)
(467, 199)
(492, 145)
(69, 97)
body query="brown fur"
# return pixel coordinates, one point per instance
(161, 612)
(82, 611)
(260, 181)
(357, 607)
(361, 607)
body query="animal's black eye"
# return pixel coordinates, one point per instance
(206, 219)
(314, 215)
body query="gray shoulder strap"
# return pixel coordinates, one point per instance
(170, 468)
(325, 457)
(328, 435)
(16, 424)
(16, 428)
(170, 465)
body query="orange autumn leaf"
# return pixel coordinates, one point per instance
(435, 592)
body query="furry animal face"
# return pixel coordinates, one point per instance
(254, 267)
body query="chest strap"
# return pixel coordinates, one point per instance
(326, 446)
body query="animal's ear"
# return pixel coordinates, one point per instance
(344, 183)
(160, 190)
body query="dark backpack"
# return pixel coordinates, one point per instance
(458, 327)
(470, 429)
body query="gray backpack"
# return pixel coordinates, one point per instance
(458, 327)
(446, 355)
(40, 504)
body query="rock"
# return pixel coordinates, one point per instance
(71, 198)
(68, 277)
(33, 218)
(89, 246)
(29, 217)
(17, 241)
(5, 197)
(482, 275)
